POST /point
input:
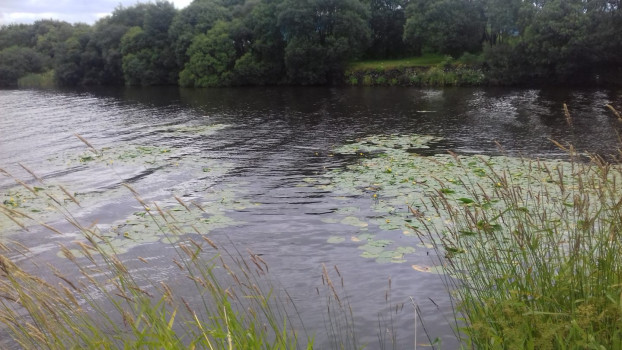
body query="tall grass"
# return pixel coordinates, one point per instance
(37, 80)
(101, 302)
(424, 60)
(535, 266)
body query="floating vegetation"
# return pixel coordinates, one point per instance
(354, 221)
(128, 155)
(335, 239)
(402, 184)
(158, 225)
(380, 143)
(105, 169)
(23, 206)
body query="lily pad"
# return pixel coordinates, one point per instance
(354, 221)
(335, 239)
(438, 270)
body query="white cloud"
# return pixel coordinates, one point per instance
(73, 11)
(180, 4)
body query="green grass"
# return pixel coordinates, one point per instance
(534, 266)
(428, 70)
(420, 61)
(40, 80)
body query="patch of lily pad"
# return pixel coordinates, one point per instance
(23, 207)
(128, 155)
(402, 184)
(205, 209)
(380, 143)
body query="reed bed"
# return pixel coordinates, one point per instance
(533, 266)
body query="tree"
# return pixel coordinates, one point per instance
(502, 19)
(49, 34)
(68, 64)
(321, 37)
(212, 58)
(604, 28)
(556, 41)
(197, 18)
(444, 26)
(387, 28)
(17, 61)
(102, 58)
(17, 35)
(262, 58)
(147, 55)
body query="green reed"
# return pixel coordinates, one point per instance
(536, 266)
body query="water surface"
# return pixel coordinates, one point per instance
(257, 158)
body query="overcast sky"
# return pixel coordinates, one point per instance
(72, 11)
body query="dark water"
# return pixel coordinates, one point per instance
(277, 137)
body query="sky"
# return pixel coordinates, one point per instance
(72, 11)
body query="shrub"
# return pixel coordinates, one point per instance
(353, 80)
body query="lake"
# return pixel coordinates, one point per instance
(269, 168)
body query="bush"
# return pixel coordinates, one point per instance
(471, 59)
(447, 62)
(352, 80)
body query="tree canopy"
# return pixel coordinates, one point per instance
(310, 42)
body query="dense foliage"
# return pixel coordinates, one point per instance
(310, 42)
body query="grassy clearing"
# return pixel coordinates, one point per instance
(420, 61)
(534, 266)
(426, 71)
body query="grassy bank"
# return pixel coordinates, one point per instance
(427, 70)
(535, 265)
(389, 64)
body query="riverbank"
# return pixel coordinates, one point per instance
(417, 76)
(427, 70)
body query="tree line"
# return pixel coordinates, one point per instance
(310, 42)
